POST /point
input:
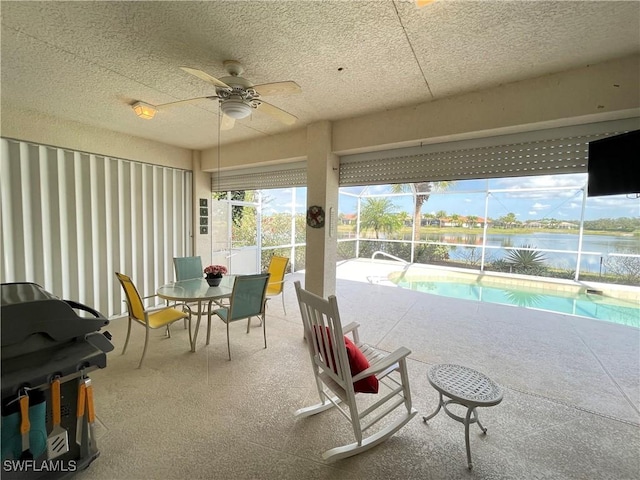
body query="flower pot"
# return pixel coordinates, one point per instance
(214, 281)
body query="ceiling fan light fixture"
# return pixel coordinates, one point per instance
(236, 108)
(144, 110)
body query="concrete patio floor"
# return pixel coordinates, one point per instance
(571, 407)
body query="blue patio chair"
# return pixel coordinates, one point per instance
(248, 299)
(188, 267)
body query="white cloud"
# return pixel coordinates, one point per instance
(540, 206)
(542, 181)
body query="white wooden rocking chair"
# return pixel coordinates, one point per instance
(339, 387)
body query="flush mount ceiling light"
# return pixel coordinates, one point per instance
(236, 108)
(422, 3)
(144, 110)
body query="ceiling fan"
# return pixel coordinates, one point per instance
(238, 97)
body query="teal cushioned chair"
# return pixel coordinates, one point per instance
(248, 299)
(188, 267)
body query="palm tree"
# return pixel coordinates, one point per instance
(440, 214)
(421, 191)
(508, 220)
(378, 214)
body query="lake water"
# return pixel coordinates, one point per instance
(594, 247)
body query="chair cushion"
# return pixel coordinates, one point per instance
(357, 363)
(164, 317)
(222, 313)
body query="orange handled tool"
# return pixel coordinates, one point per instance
(55, 402)
(80, 410)
(91, 414)
(57, 442)
(25, 426)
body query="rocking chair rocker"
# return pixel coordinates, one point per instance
(343, 368)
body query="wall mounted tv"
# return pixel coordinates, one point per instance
(614, 165)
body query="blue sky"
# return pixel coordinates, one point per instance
(468, 198)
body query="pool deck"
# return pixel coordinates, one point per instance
(571, 383)
(550, 354)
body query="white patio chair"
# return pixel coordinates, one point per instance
(345, 370)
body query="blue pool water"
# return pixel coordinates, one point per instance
(585, 305)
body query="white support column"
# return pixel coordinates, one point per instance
(322, 190)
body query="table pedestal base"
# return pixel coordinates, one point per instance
(467, 420)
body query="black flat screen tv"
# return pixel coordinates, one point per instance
(613, 165)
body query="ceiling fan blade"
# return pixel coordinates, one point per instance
(206, 77)
(227, 122)
(284, 117)
(278, 88)
(187, 101)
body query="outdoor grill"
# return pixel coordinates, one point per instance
(49, 346)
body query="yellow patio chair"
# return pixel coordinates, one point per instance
(150, 318)
(277, 270)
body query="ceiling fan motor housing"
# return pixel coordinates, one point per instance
(236, 108)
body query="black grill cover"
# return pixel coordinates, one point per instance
(44, 336)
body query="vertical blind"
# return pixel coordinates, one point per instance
(71, 219)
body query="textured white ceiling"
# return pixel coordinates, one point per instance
(88, 61)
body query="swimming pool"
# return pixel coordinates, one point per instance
(588, 305)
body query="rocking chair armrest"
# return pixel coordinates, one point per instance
(353, 329)
(350, 327)
(384, 364)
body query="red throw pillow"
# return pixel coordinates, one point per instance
(357, 363)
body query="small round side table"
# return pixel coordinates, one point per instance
(467, 387)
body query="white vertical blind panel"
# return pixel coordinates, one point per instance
(125, 211)
(84, 271)
(72, 219)
(45, 212)
(62, 234)
(27, 196)
(111, 237)
(6, 205)
(166, 203)
(71, 253)
(148, 281)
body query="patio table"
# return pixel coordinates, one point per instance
(197, 290)
(467, 387)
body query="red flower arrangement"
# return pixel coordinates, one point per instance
(215, 270)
